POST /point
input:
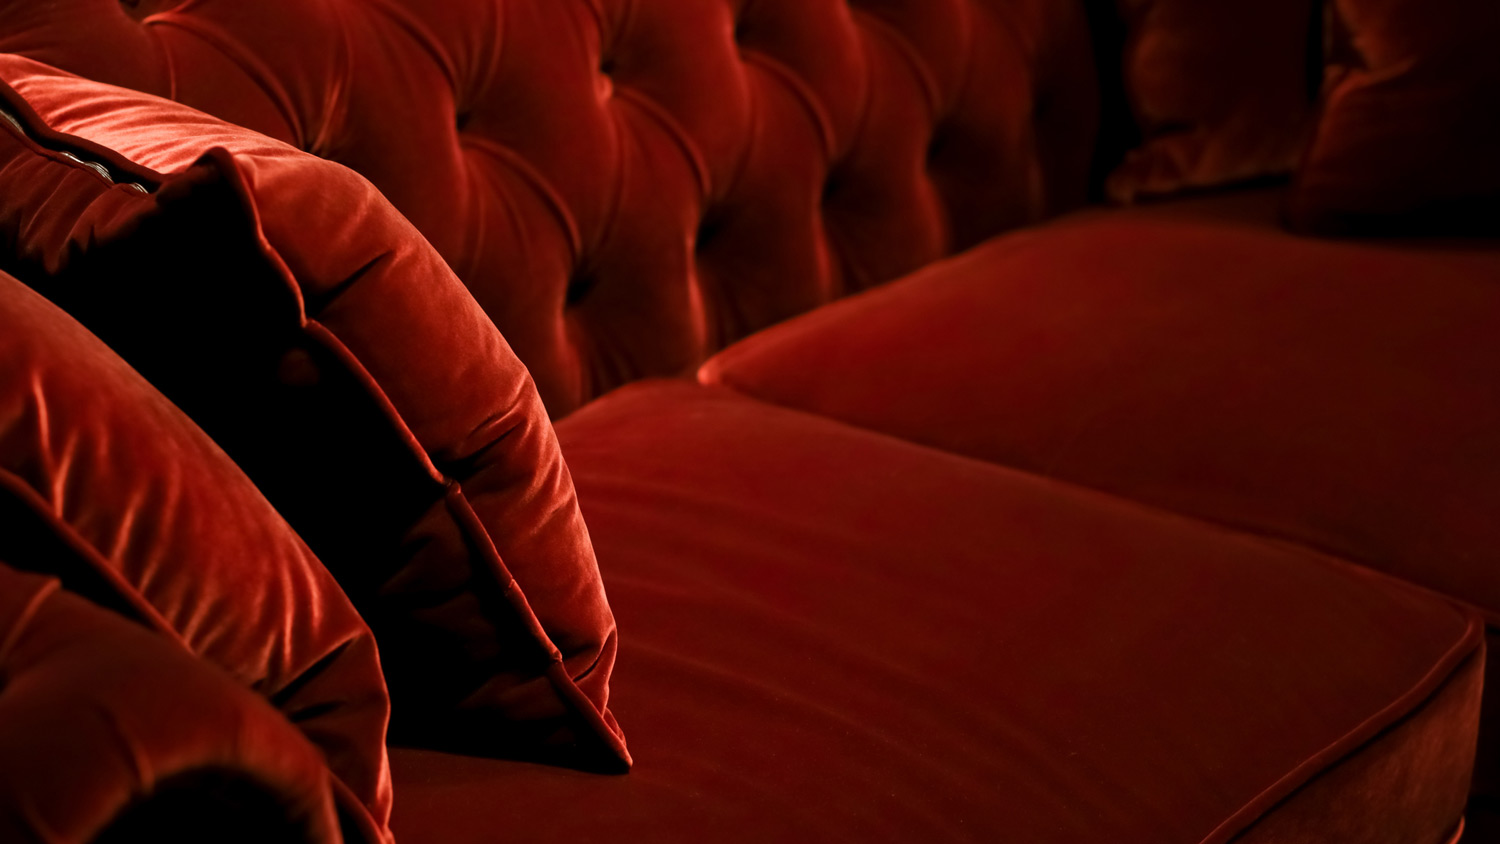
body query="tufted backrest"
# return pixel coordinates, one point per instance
(628, 185)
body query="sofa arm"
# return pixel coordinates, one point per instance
(110, 734)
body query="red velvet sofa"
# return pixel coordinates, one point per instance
(965, 420)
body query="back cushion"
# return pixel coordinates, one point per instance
(284, 305)
(628, 185)
(106, 485)
(1409, 137)
(1222, 91)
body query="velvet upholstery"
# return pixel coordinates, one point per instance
(98, 469)
(1195, 357)
(1407, 139)
(1221, 91)
(838, 636)
(89, 740)
(296, 316)
(627, 185)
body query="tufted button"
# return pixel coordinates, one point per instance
(461, 121)
(831, 186)
(579, 286)
(604, 86)
(936, 146)
(142, 9)
(708, 229)
(132, 8)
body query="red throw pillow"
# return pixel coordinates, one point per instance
(1221, 92)
(1409, 138)
(106, 485)
(295, 315)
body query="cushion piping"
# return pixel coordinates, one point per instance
(1355, 738)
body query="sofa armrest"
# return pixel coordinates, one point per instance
(109, 734)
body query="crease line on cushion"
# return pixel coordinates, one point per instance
(804, 94)
(544, 190)
(128, 602)
(420, 34)
(557, 672)
(353, 812)
(931, 92)
(1358, 737)
(23, 619)
(255, 70)
(674, 131)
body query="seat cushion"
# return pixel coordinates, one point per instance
(295, 315)
(1195, 357)
(835, 635)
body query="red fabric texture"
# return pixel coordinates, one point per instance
(86, 731)
(838, 636)
(301, 320)
(169, 530)
(1220, 91)
(1194, 357)
(1408, 135)
(628, 185)
(1405, 767)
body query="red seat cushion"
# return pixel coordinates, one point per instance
(1197, 358)
(835, 635)
(106, 485)
(302, 321)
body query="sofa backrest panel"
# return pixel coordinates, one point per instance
(628, 185)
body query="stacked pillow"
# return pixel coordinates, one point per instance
(1401, 139)
(109, 488)
(172, 749)
(283, 304)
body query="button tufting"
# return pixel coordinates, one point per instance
(604, 87)
(132, 9)
(936, 146)
(579, 287)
